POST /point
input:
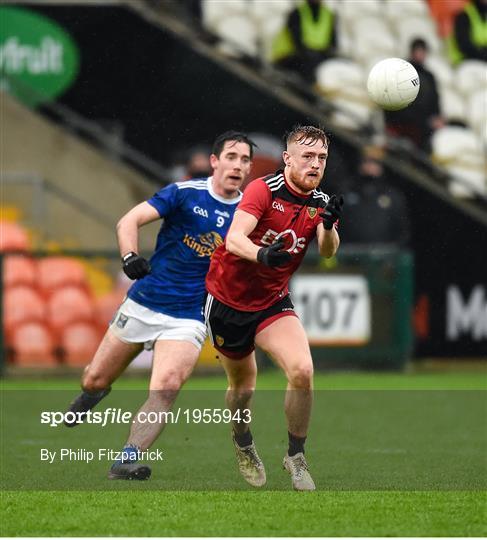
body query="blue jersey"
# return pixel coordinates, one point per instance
(196, 221)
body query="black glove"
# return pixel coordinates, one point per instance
(332, 212)
(271, 256)
(135, 267)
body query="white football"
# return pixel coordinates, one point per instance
(393, 84)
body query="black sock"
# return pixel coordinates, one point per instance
(243, 439)
(90, 399)
(296, 444)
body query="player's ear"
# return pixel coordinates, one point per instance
(285, 157)
(214, 161)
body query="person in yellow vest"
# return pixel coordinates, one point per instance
(308, 39)
(469, 38)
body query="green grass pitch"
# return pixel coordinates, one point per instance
(365, 487)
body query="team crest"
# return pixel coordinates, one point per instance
(312, 212)
(219, 341)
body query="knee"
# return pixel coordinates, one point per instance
(240, 394)
(244, 385)
(93, 381)
(171, 381)
(301, 377)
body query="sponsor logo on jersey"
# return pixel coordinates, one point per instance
(312, 212)
(222, 214)
(278, 206)
(219, 340)
(200, 211)
(292, 243)
(205, 244)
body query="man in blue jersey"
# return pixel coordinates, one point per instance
(164, 307)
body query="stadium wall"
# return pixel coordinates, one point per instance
(32, 145)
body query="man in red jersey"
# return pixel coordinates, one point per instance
(248, 299)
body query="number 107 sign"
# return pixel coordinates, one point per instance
(334, 310)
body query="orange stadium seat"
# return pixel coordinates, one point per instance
(19, 270)
(56, 272)
(107, 305)
(444, 12)
(20, 305)
(68, 305)
(13, 237)
(79, 342)
(32, 345)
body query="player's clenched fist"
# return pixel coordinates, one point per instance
(272, 256)
(332, 212)
(134, 266)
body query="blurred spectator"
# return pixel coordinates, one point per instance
(198, 163)
(469, 38)
(376, 212)
(418, 121)
(194, 163)
(308, 39)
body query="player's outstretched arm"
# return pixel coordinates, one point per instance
(127, 234)
(237, 241)
(328, 239)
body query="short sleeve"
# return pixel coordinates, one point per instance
(256, 198)
(166, 200)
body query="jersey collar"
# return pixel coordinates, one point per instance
(219, 197)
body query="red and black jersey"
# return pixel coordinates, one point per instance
(282, 213)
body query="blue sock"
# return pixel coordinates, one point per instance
(130, 454)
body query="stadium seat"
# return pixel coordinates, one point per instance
(21, 304)
(13, 237)
(19, 270)
(459, 151)
(262, 10)
(452, 106)
(396, 11)
(470, 76)
(267, 30)
(270, 17)
(467, 181)
(418, 27)
(238, 34)
(350, 12)
(375, 38)
(55, 272)
(352, 114)
(214, 11)
(107, 305)
(343, 83)
(441, 69)
(340, 78)
(79, 342)
(32, 345)
(477, 112)
(67, 305)
(345, 42)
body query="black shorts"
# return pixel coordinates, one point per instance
(232, 332)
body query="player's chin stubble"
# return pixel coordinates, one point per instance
(306, 183)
